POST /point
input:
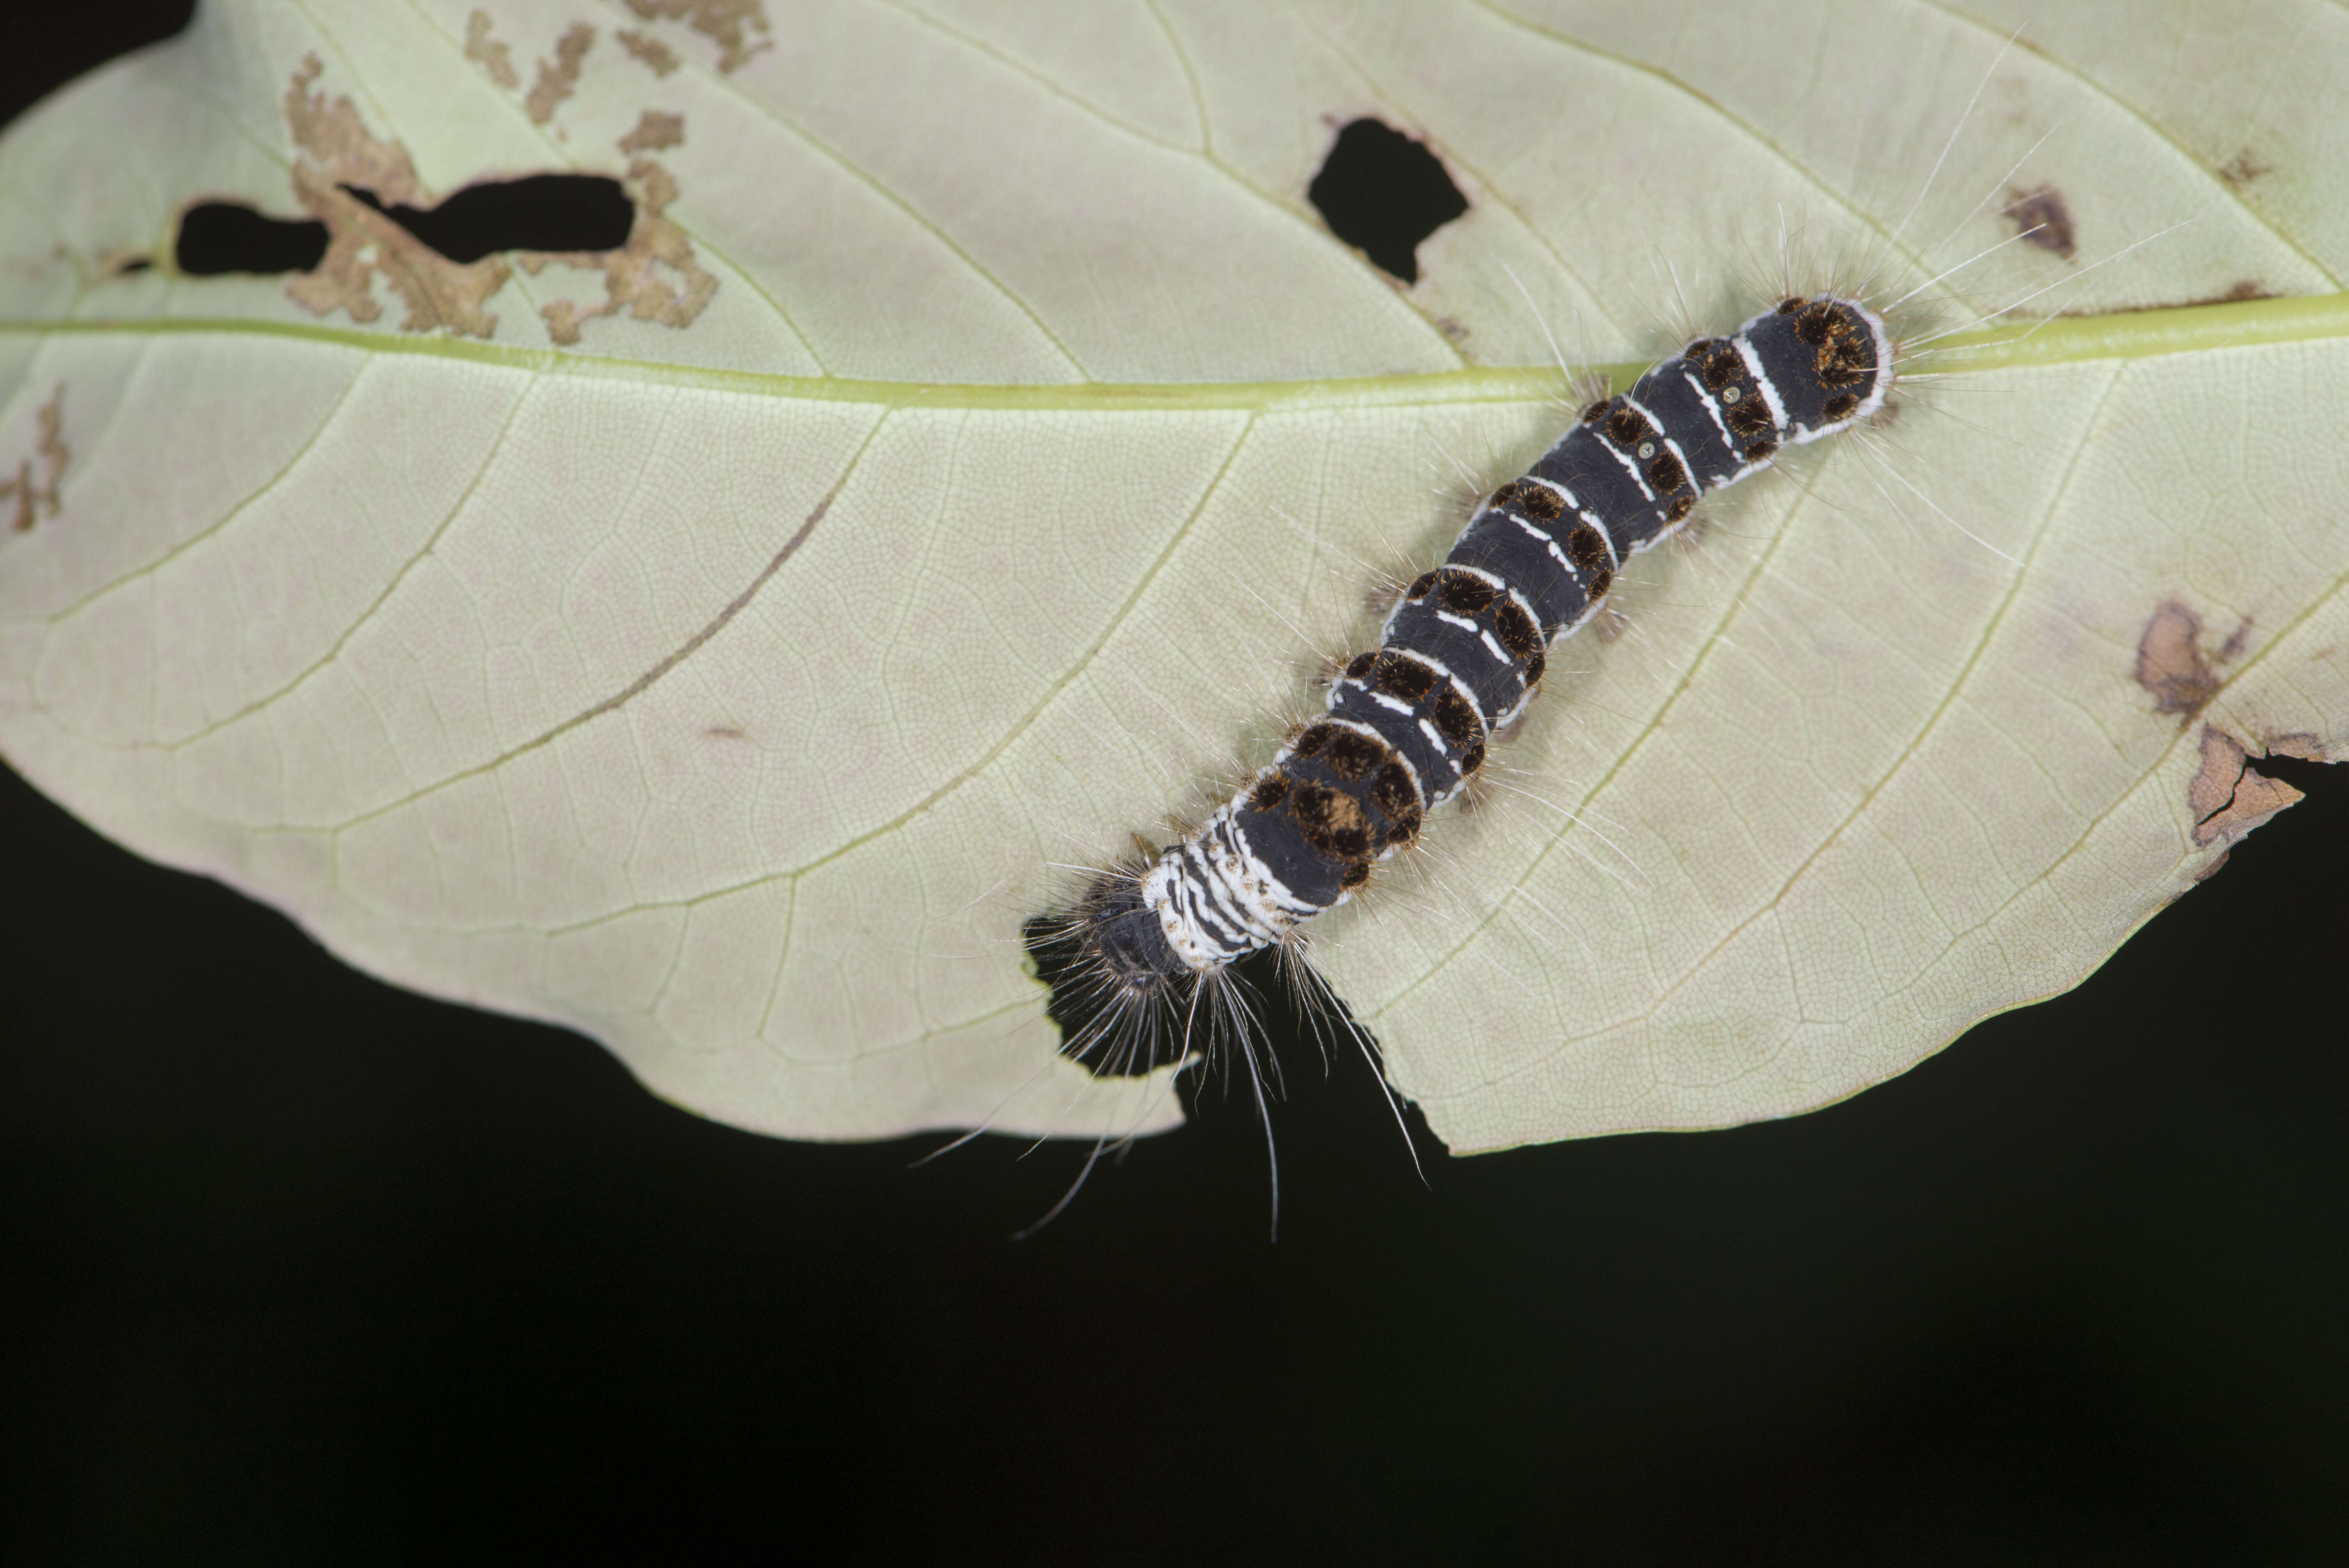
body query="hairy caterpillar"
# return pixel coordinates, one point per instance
(1407, 726)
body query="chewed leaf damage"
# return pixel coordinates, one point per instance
(371, 220)
(29, 492)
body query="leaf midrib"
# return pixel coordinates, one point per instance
(2128, 335)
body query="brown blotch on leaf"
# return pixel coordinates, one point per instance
(488, 53)
(2228, 796)
(656, 131)
(2041, 218)
(362, 244)
(726, 23)
(558, 78)
(654, 277)
(2243, 170)
(34, 498)
(647, 51)
(2170, 663)
(2305, 746)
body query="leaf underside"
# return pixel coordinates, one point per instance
(715, 641)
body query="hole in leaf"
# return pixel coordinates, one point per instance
(218, 237)
(557, 213)
(1382, 192)
(537, 212)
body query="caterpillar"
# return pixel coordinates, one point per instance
(1460, 655)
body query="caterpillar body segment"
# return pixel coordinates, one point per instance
(1408, 725)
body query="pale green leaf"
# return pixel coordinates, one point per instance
(976, 451)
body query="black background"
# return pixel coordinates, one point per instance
(296, 1267)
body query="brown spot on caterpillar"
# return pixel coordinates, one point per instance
(2170, 663)
(1540, 502)
(1270, 790)
(558, 78)
(1586, 548)
(1847, 362)
(2041, 218)
(1421, 587)
(1465, 594)
(1682, 506)
(1842, 406)
(656, 131)
(1626, 428)
(1332, 821)
(36, 498)
(1751, 418)
(1759, 451)
(1403, 677)
(488, 53)
(2228, 796)
(647, 51)
(1517, 632)
(726, 23)
(1394, 794)
(1313, 740)
(1597, 411)
(1359, 668)
(1352, 756)
(1356, 873)
(1457, 721)
(1666, 475)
